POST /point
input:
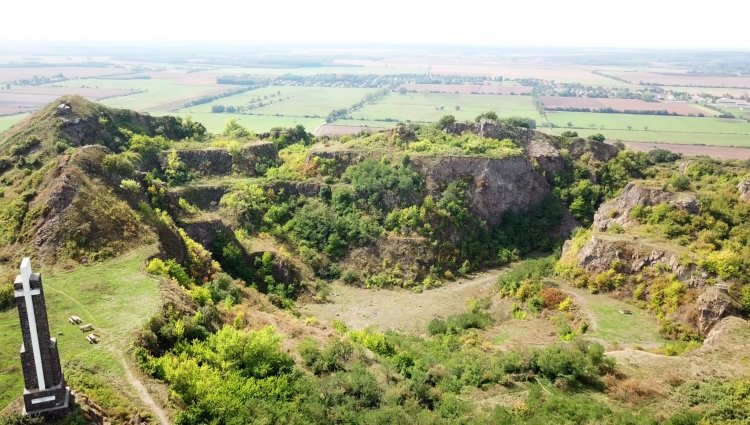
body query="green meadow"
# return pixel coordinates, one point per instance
(116, 296)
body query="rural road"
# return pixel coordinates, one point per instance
(143, 393)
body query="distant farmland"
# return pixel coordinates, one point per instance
(560, 103)
(31, 98)
(430, 107)
(655, 128)
(468, 88)
(291, 100)
(20, 73)
(682, 79)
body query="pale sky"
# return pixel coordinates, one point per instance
(545, 23)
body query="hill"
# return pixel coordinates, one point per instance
(245, 232)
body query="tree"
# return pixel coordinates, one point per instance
(598, 137)
(177, 172)
(490, 115)
(680, 182)
(235, 130)
(446, 122)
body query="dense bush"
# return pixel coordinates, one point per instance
(379, 181)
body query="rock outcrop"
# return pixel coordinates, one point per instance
(713, 306)
(222, 162)
(597, 151)
(408, 258)
(541, 150)
(744, 189)
(617, 210)
(496, 186)
(633, 255)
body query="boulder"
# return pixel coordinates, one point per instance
(744, 189)
(617, 210)
(713, 305)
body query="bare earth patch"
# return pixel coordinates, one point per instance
(400, 309)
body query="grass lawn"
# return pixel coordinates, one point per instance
(116, 296)
(422, 106)
(9, 121)
(637, 329)
(159, 93)
(292, 100)
(215, 122)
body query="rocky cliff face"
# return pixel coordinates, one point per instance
(222, 162)
(713, 306)
(617, 210)
(408, 258)
(496, 186)
(634, 254)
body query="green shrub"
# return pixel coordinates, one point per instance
(7, 297)
(130, 185)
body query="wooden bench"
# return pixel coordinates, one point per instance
(86, 328)
(93, 338)
(74, 320)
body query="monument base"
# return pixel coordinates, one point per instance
(49, 403)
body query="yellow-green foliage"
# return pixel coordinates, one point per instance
(293, 163)
(130, 185)
(376, 342)
(566, 304)
(200, 264)
(659, 290)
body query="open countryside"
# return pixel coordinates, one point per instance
(667, 103)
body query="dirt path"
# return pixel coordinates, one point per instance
(401, 309)
(143, 393)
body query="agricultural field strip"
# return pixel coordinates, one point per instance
(679, 108)
(652, 122)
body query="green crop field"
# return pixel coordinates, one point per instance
(116, 296)
(711, 139)
(656, 128)
(159, 94)
(9, 121)
(425, 107)
(291, 100)
(215, 122)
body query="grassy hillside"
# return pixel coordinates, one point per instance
(116, 296)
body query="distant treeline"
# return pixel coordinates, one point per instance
(352, 80)
(343, 112)
(212, 97)
(37, 80)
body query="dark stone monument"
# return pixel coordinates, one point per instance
(45, 392)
